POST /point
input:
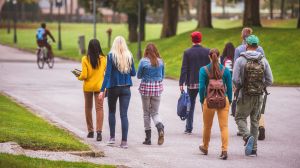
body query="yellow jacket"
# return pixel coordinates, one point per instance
(92, 78)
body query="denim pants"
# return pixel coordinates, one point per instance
(189, 121)
(123, 94)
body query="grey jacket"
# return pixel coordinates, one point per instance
(238, 70)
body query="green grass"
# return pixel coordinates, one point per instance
(29, 131)
(279, 40)
(17, 161)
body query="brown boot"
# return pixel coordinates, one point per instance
(204, 151)
(223, 155)
(161, 133)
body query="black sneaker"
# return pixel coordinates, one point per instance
(261, 133)
(90, 135)
(99, 135)
(253, 153)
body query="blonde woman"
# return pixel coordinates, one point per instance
(117, 81)
(93, 67)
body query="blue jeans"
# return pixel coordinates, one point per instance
(189, 121)
(123, 94)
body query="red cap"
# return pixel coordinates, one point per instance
(196, 37)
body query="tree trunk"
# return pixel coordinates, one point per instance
(298, 26)
(223, 7)
(251, 13)
(187, 8)
(23, 14)
(170, 18)
(51, 9)
(282, 9)
(271, 8)
(204, 18)
(132, 26)
(143, 21)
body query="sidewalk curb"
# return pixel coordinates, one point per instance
(94, 152)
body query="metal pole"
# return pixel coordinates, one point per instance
(15, 22)
(139, 54)
(8, 13)
(59, 30)
(95, 18)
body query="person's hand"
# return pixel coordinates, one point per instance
(101, 96)
(233, 89)
(181, 88)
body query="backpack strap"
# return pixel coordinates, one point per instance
(207, 72)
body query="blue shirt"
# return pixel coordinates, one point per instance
(203, 82)
(149, 73)
(113, 77)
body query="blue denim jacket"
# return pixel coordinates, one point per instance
(113, 77)
(146, 72)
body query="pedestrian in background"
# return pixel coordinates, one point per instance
(215, 72)
(92, 75)
(117, 81)
(227, 56)
(151, 71)
(193, 59)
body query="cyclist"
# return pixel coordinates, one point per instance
(41, 39)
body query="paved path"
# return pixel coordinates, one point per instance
(57, 95)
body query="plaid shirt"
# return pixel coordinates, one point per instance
(194, 86)
(149, 88)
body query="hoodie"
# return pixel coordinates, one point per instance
(238, 69)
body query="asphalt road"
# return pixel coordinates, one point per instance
(57, 95)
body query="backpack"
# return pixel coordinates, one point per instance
(254, 69)
(40, 34)
(215, 96)
(183, 105)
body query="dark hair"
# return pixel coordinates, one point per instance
(228, 51)
(214, 56)
(151, 52)
(94, 51)
(43, 25)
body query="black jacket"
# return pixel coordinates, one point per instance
(193, 59)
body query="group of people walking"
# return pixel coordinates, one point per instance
(244, 71)
(110, 76)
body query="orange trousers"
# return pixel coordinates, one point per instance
(89, 96)
(208, 116)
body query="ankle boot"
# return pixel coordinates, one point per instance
(161, 133)
(223, 155)
(148, 137)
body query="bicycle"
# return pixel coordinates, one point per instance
(42, 57)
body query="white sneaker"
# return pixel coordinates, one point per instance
(111, 141)
(123, 145)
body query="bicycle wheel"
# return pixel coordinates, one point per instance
(50, 62)
(40, 59)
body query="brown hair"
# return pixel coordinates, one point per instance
(151, 52)
(214, 56)
(247, 31)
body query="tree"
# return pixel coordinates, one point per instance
(298, 26)
(51, 9)
(282, 10)
(66, 10)
(204, 11)
(271, 8)
(251, 13)
(170, 18)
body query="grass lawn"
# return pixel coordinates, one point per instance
(279, 39)
(13, 161)
(19, 125)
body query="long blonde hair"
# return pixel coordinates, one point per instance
(121, 56)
